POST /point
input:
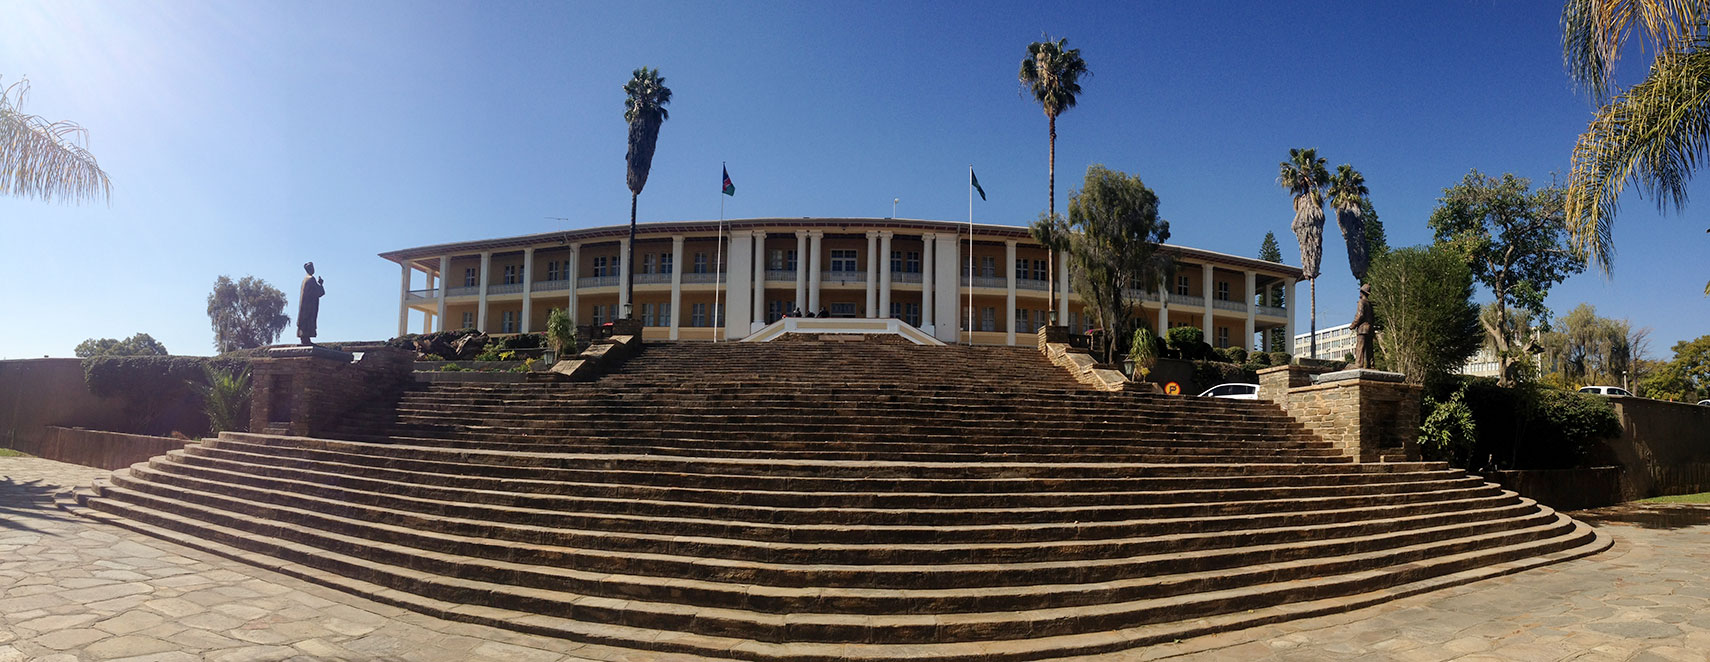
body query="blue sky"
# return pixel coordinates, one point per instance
(246, 138)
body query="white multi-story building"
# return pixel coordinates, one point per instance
(1334, 343)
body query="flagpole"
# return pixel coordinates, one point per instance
(718, 269)
(970, 254)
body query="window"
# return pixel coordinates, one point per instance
(599, 271)
(1182, 285)
(843, 310)
(701, 268)
(698, 311)
(1021, 319)
(790, 260)
(907, 312)
(1222, 290)
(508, 323)
(1021, 269)
(1223, 336)
(646, 263)
(911, 262)
(598, 320)
(552, 270)
(667, 262)
(469, 277)
(780, 259)
(1075, 322)
(720, 313)
(665, 314)
(1039, 270)
(511, 274)
(988, 317)
(774, 311)
(468, 320)
(988, 266)
(843, 261)
(647, 314)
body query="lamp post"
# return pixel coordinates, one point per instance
(894, 202)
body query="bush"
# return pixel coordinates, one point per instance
(226, 398)
(1262, 359)
(1530, 426)
(521, 341)
(1449, 433)
(161, 394)
(1280, 358)
(1237, 354)
(452, 367)
(1184, 338)
(1207, 374)
(1143, 351)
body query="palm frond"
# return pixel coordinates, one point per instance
(1653, 135)
(1594, 32)
(46, 160)
(1052, 72)
(1348, 194)
(644, 109)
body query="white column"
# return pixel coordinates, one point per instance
(814, 269)
(947, 293)
(428, 320)
(884, 273)
(1063, 289)
(759, 266)
(1288, 316)
(1205, 293)
(404, 301)
(481, 307)
(528, 288)
(623, 275)
(575, 271)
(872, 273)
(444, 268)
(1163, 310)
(1247, 340)
(676, 284)
(801, 270)
(739, 292)
(1009, 271)
(926, 249)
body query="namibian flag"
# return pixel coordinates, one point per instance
(971, 180)
(729, 188)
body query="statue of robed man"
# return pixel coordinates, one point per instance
(309, 303)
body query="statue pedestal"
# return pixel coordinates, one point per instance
(1370, 415)
(302, 390)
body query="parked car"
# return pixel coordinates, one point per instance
(1704, 402)
(1232, 391)
(1612, 391)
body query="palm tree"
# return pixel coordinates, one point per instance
(645, 112)
(46, 160)
(1348, 195)
(1052, 72)
(1654, 133)
(1304, 176)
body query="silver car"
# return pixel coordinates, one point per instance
(1232, 391)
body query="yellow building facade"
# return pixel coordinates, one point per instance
(706, 280)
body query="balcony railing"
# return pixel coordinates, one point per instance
(1234, 306)
(551, 285)
(418, 295)
(596, 281)
(781, 275)
(1187, 300)
(843, 277)
(905, 276)
(653, 278)
(511, 288)
(463, 291)
(704, 278)
(1272, 311)
(989, 281)
(1030, 284)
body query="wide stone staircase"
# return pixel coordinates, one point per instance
(803, 500)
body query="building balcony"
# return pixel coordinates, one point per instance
(704, 278)
(997, 282)
(1271, 311)
(551, 285)
(508, 288)
(1187, 300)
(1030, 284)
(842, 277)
(1232, 306)
(905, 276)
(653, 279)
(422, 295)
(469, 291)
(781, 275)
(596, 281)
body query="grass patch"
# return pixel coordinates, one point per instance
(1701, 497)
(7, 452)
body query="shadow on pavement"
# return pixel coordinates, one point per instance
(25, 501)
(1648, 515)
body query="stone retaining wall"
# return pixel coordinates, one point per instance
(1664, 447)
(1564, 489)
(1368, 418)
(94, 448)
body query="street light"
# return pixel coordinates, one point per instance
(894, 202)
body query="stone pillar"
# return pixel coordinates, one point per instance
(528, 289)
(305, 390)
(1288, 315)
(1368, 415)
(1063, 289)
(575, 271)
(1163, 310)
(676, 284)
(1252, 309)
(884, 274)
(444, 268)
(1205, 289)
(404, 301)
(814, 268)
(801, 270)
(739, 293)
(759, 266)
(1009, 271)
(945, 296)
(623, 256)
(926, 282)
(872, 273)
(481, 306)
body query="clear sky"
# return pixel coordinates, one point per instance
(244, 138)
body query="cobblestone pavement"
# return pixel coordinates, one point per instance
(71, 589)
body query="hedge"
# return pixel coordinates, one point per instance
(1531, 426)
(160, 393)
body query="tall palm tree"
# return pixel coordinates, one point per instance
(1052, 72)
(644, 109)
(1654, 133)
(1304, 176)
(42, 159)
(1349, 196)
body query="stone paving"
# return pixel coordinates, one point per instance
(71, 589)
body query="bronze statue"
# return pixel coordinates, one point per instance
(1362, 327)
(309, 303)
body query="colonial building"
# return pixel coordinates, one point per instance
(696, 280)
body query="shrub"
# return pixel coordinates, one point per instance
(225, 398)
(1449, 433)
(1237, 354)
(1143, 351)
(1262, 359)
(1530, 426)
(452, 367)
(560, 333)
(1280, 358)
(521, 341)
(160, 393)
(1184, 339)
(1207, 374)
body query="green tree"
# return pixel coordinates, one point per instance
(140, 344)
(644, 110)
(246, 314)
(1113, 247)
(1515, 240)
(1269, 251)
(1427, 323)
(1652, 134)
(42, 159)
(1377, 241)
(1304, 176)
(1584, 348)
(1349, 196)
(1052, 73)
(1686, 377)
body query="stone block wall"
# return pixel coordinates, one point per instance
(305, 392)
(94, 448)
(1367, 419)
(1054, 344)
